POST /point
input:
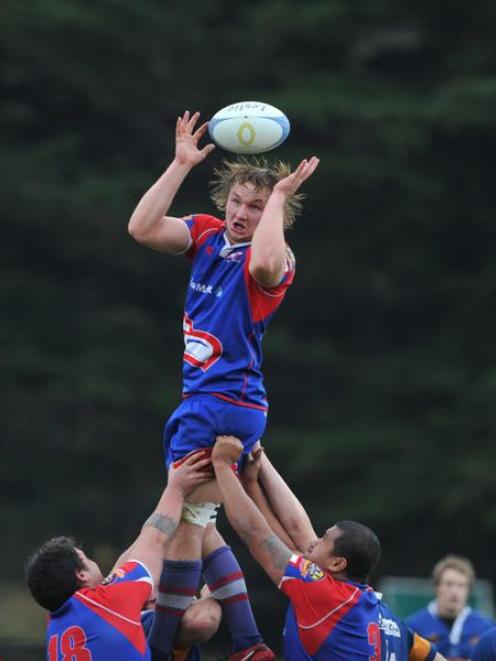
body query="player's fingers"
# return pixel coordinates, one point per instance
(200, 130)
(193, 120)
(197, 458)
(226, 438)
(184, 120)
(207, 149)
(257, 454)
(306, 168)
(182, 126)
(201, 465)
(310, 169)
(313, 164)
(202, 479)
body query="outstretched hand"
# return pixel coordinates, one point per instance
(251, 469)
(290, 184)
(226, 450)
(193, 472)
(187, 138)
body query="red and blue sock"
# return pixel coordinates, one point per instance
(178, 585)
(226, 582)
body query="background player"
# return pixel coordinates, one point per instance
(92, 618)
(241, 269)
(449, 620)
(333, 612)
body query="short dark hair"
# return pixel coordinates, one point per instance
(360, 547)
(51, 572)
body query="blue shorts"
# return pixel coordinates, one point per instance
(199, 419)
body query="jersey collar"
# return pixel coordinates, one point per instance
(229, 247)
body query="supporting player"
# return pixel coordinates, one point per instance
(241, 269)
(92, 618)
(333, 613)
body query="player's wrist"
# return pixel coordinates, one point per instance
(183, 164)
(187, 157)
(178, 487)
(249, 485)
(222, 462)
(279, 194)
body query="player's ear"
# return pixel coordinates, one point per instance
(83, 576)
(337, 563)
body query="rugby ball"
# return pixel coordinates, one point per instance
(249, 127)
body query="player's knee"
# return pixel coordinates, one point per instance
(200, 622)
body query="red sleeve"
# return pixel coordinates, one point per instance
(201, 226)
(265, 300)
(120, 599)
(319, 601)
(125, 591)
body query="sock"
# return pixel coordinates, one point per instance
(178, 585)
(225, 579)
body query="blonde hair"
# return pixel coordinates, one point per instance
(457, 562)
(259, 173)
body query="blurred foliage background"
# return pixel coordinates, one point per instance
(381, 364)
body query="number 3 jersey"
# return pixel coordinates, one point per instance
(335, 620)
(103, 624)
(226, 314)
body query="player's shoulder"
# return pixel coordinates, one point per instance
(418, 616)
(202, 227)
(132, 570)
(204, 220)
(481, 618)
(390, 618)
(299, 567)
(130, 582)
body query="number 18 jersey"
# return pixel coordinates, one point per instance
(103, 624)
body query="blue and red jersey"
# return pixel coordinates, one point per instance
(225, 317)
(456, 641)
(342, 621)
(104, 622)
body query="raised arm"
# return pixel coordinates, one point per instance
(253, 488)
(149, 224)
(268, 246)
(286, 506)
(244, 516)
(161, 525)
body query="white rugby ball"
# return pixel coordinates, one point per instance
(249, 127)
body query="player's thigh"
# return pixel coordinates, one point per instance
(199, 419)
(206, 493)
(191, 427)
(186, 543)
(245, 423)
(212, 540)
